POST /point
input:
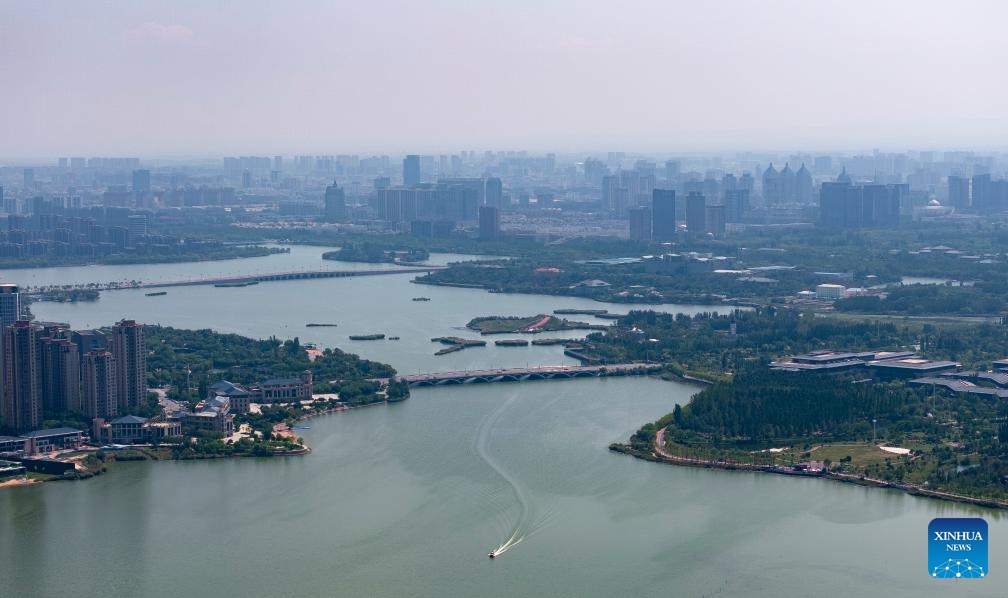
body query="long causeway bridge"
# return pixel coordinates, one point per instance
(546, 372)
(246, 279)
(297, 275)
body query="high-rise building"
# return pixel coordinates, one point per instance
(803, 186)
(736, 202)
(130, 354)
(631, 181)
(454, 199)
(823, 164)
(672, 170)
(141, 182)
(60, 372)
(958, 192)
(696, 213)
(640, 223)
(28, 179)
(716, 220)
(10, 305)
(489, 222)
(982, 193)
(663, 215)
(610, 183)
(494, 194)
(136, 225)
(99, 388)
(411, 170)
(335, 203)
(87, 341)
(22, 404)
(771, 185)
(843, 205)
(786, 179)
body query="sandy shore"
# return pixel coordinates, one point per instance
(19, 482)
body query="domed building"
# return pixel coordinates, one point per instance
(934, 210)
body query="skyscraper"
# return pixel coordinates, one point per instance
(610, 183)
(60, 372)
(130, 354)
(663, 215)
(716, 220)
(98, 391)
(671, 170)
(489, 222)
(696, 213)
(803, 185)
(640, 223)
(141, 182)
(843, 205)
(736, 202)
(494, 194)
(786, 179)
(335, 203)
(411, 170)
(958, 192)
(22, 405)
(982, 193)
(771, 185)
(141, 188)
(10, 305)
(28, 176)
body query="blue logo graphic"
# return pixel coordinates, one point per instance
(957, 548)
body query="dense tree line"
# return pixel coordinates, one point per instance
(209, 356)
(705, 344)
(981, 298)
(771, 406)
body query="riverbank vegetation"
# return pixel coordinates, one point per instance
(199, 253)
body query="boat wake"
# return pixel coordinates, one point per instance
(522, 526)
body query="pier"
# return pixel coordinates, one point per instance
(546, 372)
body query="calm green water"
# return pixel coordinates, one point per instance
(407, 499)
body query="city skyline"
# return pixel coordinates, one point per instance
(186, 79)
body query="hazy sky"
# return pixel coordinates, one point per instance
(203, 78)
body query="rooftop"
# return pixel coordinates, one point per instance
(51, 432)
(913, 363)
(282, 381)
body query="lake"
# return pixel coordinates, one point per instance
(407, 499)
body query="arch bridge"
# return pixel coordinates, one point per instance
(548, 372)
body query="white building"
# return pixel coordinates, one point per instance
(829, 292)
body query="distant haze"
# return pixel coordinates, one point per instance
(178, 78)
